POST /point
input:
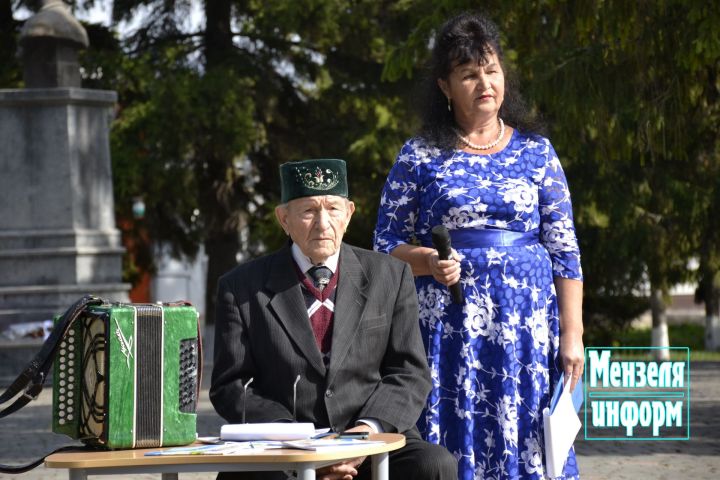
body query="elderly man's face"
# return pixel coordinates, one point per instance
(316, 224)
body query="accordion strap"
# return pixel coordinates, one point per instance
(33, 377)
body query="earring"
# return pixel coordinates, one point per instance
(449, 105)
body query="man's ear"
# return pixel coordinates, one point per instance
(281, 213)
(350, 210)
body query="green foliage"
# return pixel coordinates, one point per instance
(607, 317)
(683, 335)
(632, 92)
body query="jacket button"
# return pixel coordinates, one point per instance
(329, 393)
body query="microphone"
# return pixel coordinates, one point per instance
(441, 242)
(245, 397)
(295, 395)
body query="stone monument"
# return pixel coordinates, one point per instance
(49, 43)
(58, 238)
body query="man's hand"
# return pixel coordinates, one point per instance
(347, 469)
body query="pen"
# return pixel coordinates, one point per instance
(355, 435)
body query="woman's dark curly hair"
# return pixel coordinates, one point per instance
(468, 37)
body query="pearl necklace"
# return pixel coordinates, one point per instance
(487, 146)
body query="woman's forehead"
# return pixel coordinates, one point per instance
(477, 62)
(482, 56)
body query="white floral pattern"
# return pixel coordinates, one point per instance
(493, 358)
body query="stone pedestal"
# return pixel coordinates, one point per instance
(58, 239)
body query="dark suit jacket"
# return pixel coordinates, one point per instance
(377, 366)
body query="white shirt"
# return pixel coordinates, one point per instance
(306, 264)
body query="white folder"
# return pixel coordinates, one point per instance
(561, 428)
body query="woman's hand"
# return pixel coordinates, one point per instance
(572, 353)
(572, 356)
(446, 272)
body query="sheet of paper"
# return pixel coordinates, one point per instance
(250, 447)
(561, 428)
(267, 431)
(226, 448)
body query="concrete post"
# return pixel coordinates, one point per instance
(57, 227)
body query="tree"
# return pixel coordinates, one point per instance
(207, 116)
(631, 97)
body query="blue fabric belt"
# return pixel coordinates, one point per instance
(486, 237)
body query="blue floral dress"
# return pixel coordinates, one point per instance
(494, 358)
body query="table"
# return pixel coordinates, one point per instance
(128, 462)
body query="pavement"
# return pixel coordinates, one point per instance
(26, 435)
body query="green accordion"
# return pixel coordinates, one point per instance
(128, 376)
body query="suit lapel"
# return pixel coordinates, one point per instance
(288, 305)
(350, 300)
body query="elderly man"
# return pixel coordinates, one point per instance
(341, 318)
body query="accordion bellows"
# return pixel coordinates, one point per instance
(127, 376)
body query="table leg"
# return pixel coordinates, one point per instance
(380, 466)
(170, 476)
(77, 474)
(306, 471)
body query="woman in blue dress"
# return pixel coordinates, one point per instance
(478, 169)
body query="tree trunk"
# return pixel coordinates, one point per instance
(218, 34)
(6, 15)
(9, 68)
(660, 338)
(712, 328)
(223, 242)
(710, 294)
(223, 258)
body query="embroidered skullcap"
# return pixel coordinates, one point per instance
(308, 178)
